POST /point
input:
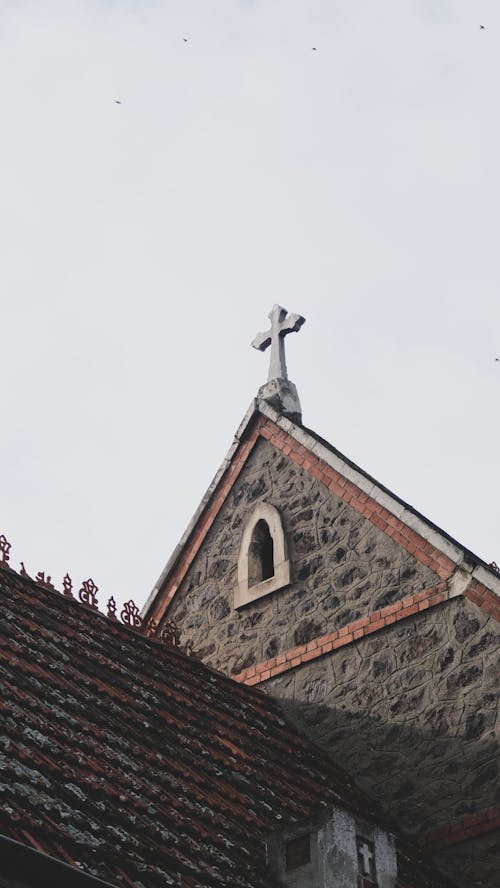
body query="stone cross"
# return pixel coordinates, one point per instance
(365, 852)
(281, 325)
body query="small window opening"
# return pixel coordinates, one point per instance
(260, 554)
(298, 852)
(366, 863)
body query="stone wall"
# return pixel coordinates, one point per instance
(474, 863)
(411, 712)
(342, 568)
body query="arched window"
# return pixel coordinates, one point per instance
(260, 554)
(262, 565)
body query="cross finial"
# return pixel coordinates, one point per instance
(279, 392)
(281, 325)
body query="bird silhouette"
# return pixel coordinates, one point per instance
(118, 101)
(185, 39)
(315, 49)
(482, 28)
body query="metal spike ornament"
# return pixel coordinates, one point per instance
(87, 594)
(44, 581)
(130, 615)
(170, 633)
(4, 549)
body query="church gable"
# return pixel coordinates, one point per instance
(383, 647)
(377, 631)
(342, 567)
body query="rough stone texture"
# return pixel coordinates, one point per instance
(342, 568)
(412, 712)
(473, 864)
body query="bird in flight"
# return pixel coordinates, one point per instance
(482, 28)
(185, 39)
(315, 49)
(118, 101)
(497, 359)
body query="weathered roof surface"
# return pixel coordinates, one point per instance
(123, 756)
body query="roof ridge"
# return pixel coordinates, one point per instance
(168, 636)
(129, 616)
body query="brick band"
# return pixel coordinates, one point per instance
(349, 634)
(456, 833)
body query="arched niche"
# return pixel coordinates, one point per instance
(263, 566)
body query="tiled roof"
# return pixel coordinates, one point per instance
(121, 755)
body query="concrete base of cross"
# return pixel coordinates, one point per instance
(282, 395)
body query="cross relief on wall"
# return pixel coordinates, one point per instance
(366, 863)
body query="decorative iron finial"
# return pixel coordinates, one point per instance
(4, 549)
(67, 586)
(23, 571)
(150, 627)
(87, 594)
(44, 581)
(170, 633)
(112, 608)
(130, 615)
(279, 391)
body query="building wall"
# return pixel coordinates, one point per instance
(473, 863)
(411, 711)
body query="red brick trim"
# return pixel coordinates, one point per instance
(484, 598)
(349, 634)
(456, 833)
(205, 522)
(424, 551)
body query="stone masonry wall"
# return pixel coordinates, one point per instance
(342, 568)
(474, 863)
(411, 712)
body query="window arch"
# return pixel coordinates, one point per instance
(263, 566)
(260, 554)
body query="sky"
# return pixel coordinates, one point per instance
(160, 194)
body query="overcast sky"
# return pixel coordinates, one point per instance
(144, 243)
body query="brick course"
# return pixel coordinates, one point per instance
(318, 647)
(457, 833)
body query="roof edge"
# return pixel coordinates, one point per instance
(251, 412)
(24, 861)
